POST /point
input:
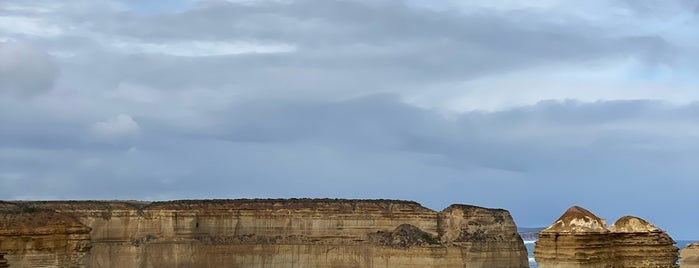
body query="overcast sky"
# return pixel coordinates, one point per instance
(531, 106)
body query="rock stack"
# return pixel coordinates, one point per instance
(690, 256)
(581, 239)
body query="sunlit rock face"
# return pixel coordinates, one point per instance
(690, 256)
(581, 239)
(275, 233)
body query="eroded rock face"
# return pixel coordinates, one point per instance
(581, 239)
(690, 256)
(289, 233)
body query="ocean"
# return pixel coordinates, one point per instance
(532, 263)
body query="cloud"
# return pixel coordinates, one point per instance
(201, 48)
(120, 127)
(270, 49)
(28, 26)
(554, 150)
(508, 105)
(308, 49)
(25, 71)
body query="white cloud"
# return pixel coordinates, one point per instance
(28, 26)
(120, 127)
(201, 48)
(40, 7)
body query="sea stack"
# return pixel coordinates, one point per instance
(689, 258)
(579, 238)
(573, 240)
(258, 233)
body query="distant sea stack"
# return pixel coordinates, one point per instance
(581, 239)
(689, 256)
(257, 233)
(529, 234)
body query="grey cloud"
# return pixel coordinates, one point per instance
(383, 44)
(512, 141)
(377, 146)
(25, 71)
(328, 119)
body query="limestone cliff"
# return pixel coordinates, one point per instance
(276, 233)
(581, 239)
(690, 256)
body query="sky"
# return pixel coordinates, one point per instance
(531, 106)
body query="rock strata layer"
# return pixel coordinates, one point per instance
(689, 256)
(581, 239)
(257, 233)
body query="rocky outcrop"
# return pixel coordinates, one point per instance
(581, 239)
(689, 257)
(277, 233)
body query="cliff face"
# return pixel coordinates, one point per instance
(42, 238)
(690, 256)
(581, 239)
(281, 233)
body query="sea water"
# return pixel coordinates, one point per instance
(532, 263)
(530, 250)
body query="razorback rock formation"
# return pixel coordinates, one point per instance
(262, 233)
(581, 239)
(689, 257)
